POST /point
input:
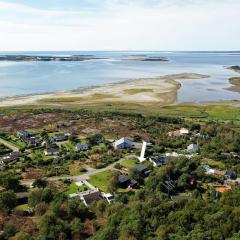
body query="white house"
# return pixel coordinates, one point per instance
(177, 155)
(184, 131)
(108, 196)
(123, 143)
(193, 148)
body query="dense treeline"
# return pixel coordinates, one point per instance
(149, 214)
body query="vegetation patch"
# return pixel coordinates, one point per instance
(235, 81)
(214, 163)
(101, 180)
(133, 91)
(73, 188)
(129, 163)
(60, 100)
(99, 96)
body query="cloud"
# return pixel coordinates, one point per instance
(121, 25)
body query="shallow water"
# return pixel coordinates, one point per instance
(18, 78)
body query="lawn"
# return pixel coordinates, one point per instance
(70, 146)
(74, 188)
(129, 163)
(101, 180)
(23, 207)
(214, 164)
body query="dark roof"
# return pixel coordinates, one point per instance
(51, 150)
(123, 178)
(141, 168)
(159, 160)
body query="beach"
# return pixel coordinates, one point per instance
(161, 90)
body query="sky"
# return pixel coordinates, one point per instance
(163, 25)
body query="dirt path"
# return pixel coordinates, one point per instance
(85, 176)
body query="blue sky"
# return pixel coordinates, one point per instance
(119, 25)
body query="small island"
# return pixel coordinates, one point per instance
(145, 58)
(31, 58)
(235, 82)
(235, 68)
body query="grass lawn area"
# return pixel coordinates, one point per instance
(129, 163)
(101, 180)
(222, 112)
(213, 163)
(70, 146)
(23, 207)
(73, 188)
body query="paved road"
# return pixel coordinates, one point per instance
(85, 176)
(9, 145)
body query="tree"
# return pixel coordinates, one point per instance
(35, 197)
(52, 227)
(9, 230)
(9, 181)
(21, 236)
(40, 183)
(7, 201)
(113, 183)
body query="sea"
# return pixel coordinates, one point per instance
(26, 78)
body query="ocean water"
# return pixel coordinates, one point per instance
(21, 78)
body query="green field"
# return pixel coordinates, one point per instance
(209, 111)
(129, 163)
(101, 180)
(206, 112)
(74, 188)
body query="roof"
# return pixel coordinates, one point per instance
(159, 160)
(123, 178)
(219, 172)
(141, 168)
(222, 188)
(25, 132)
(237, 180)
(91, 195)
(51, 150)
(193, 145)
(123, 140)
(79, 145)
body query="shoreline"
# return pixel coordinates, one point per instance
(160, 90)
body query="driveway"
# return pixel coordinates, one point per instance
(85, 176)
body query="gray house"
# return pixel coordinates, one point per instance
(82, 147)
(193, 148)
